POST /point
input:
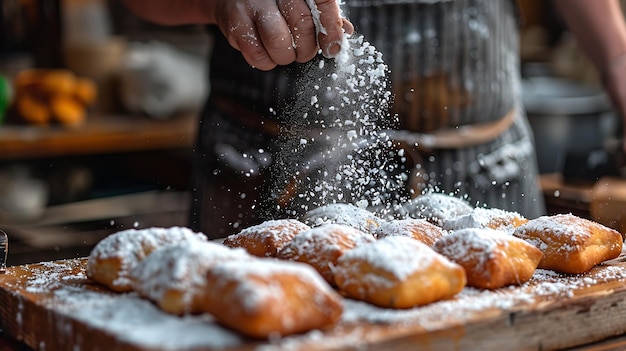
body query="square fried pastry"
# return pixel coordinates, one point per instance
(343, 213)
(491, 258)
(112, 260)
(270, 298)
(570, 244)
(435, 207)
(481, 217)
(321, 246)
(268, 238)
(415, 228)
(397, 272)
(174, 276)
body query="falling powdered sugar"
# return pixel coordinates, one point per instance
(335, 148)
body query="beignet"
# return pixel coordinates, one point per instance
(321, 246)
(480, 217)
(267, 238)
(114, 257)
(346, 214)
(174, 276)
(436, 207)
(270, 298)
(397, 272)
(570, 244)
(491, 258)
(415, 228)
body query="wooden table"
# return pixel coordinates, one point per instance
(55, 305)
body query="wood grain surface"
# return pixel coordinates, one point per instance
(53, 306)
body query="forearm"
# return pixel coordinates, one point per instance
(174, 12)
(599, 27)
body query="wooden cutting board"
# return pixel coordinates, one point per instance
(53, 306)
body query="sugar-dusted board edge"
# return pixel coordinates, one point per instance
(590, 313)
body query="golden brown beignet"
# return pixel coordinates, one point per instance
(570, 244)
(114, 257)
(321, 246)
(397, 272)
(491, 258)
(267, 238)
(418, 229)
(174, 276)
(493, 218)
(269, 298)
(346, 214)
(436, 207)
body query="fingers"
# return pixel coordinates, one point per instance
(276, 36)
(332, 22)
(246, 38)
(347, 26)
(298, 16)
(257, 29)
(270, 32)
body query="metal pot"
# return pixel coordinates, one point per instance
(571, 123)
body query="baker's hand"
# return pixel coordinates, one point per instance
(278, 32)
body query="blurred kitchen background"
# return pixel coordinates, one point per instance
(98, 113)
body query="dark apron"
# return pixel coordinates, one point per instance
(452, 63)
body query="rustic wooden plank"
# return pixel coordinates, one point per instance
(45, 306)
(612, 344)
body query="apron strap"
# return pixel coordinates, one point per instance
(455, 138)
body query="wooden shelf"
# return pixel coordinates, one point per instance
(100, 134)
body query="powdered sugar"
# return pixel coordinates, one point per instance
(253, 280)
(325, 238)
(132, 246)
(481, 217)
(472, 244)
(315, 13)
(564, 226)
(341, 213)
(398, 256)
(138, 322)
(415, 228)
(341, 113)
(266, 238)
(436, 208)
(181, 267)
